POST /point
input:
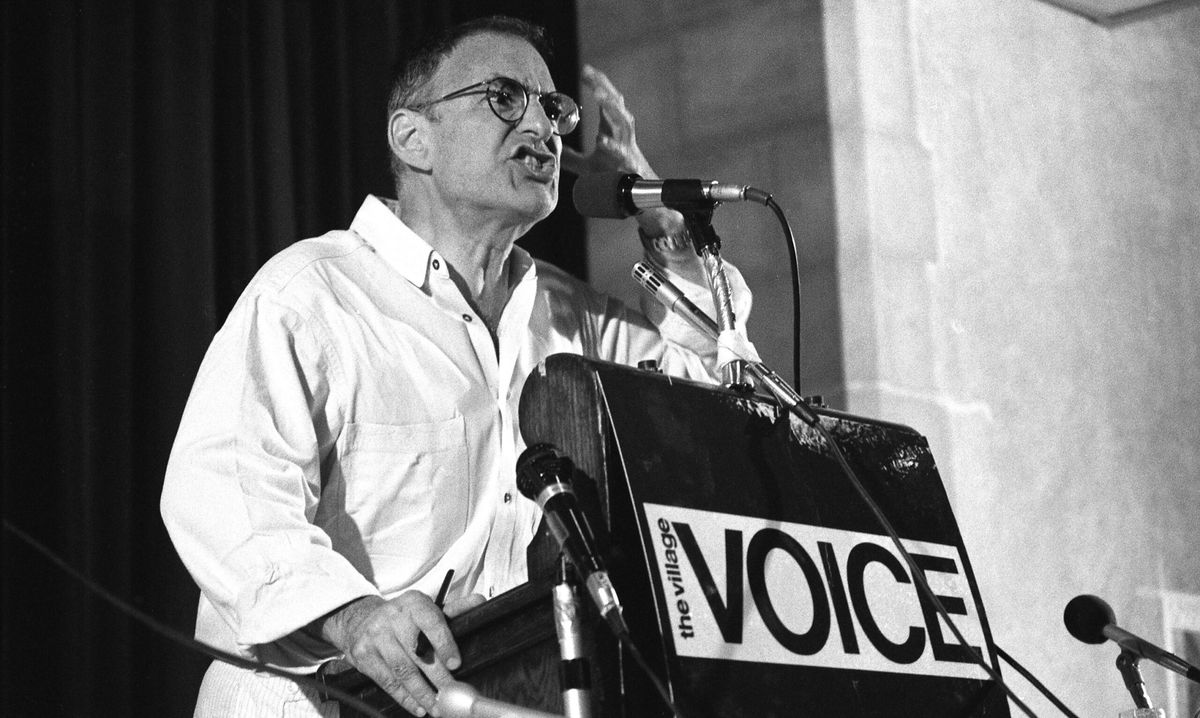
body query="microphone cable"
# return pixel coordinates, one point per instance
(627, 641)
(1033, 679)
(178, 637)
(790, 402)
(768, 200)
(918, 575)
(801, 412)
(794, 257)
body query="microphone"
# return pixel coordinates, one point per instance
(617, 195)
(673, 298)
(460, 700)
(544, 476)
(1091, 620)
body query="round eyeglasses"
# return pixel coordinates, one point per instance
(509, 99)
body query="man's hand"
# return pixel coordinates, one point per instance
(616, 150)
(379, 637)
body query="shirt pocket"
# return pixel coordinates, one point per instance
(407, 486)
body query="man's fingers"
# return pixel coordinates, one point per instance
(392, 668)
(602, 88)
(420, 676)
(604, 126)
(408, 687)
(442, 641)
(616, 143)
(457, 606)
(615, 119)
(436, 672)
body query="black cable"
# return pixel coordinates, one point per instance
(1033, 679)
(627, 641)
(917, 574)
(171, 634)
(794, 254)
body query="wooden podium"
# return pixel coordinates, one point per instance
(752, 575)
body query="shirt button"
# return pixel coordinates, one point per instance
(466, 317)
(437, 264)
(507, 497)
(491, 591)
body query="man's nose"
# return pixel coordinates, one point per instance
(536, 120)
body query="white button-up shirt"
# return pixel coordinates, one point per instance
(353, 430)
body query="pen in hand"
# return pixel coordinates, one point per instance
(424, 647)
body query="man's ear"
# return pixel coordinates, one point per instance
(408, 136)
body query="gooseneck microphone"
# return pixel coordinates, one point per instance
(673, 298)
(544, 476)
(1091, 620)
(616, 195)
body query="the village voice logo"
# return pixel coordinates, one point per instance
(746, 589)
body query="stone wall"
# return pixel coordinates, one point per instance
(1019, 216)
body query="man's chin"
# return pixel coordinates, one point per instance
(528, 202)
(545, 203)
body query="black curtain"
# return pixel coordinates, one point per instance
(155, 154)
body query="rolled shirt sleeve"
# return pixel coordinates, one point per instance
(244, 480)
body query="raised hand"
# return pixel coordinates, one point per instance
(616, 150)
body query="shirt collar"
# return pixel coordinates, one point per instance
(399, 246)
(520, 266)
(379, 225)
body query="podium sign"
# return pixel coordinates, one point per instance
(747, 563)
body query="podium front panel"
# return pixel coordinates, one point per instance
(749, 566)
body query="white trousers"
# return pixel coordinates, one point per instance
(231, 692)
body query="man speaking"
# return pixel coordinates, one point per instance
(351, 437)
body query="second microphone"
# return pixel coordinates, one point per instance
(544, 476)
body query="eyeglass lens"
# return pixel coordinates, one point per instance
(509, 98)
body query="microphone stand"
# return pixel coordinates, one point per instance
(708, 245)
(1127, 664)
(574, 669)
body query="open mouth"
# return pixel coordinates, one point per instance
(539, 162)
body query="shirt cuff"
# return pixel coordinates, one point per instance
(291, 594)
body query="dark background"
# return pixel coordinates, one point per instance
(154, 156)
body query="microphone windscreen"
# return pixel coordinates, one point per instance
(536, 467)
(1086, 616)
(599, 195)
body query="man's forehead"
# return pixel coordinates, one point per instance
(485, 55)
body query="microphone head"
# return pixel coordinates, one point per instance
(645, 275)
(1086, 616)
(456, 699)
(601, 195)
(540, 466)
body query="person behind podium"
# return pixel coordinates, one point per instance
(351, 435)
